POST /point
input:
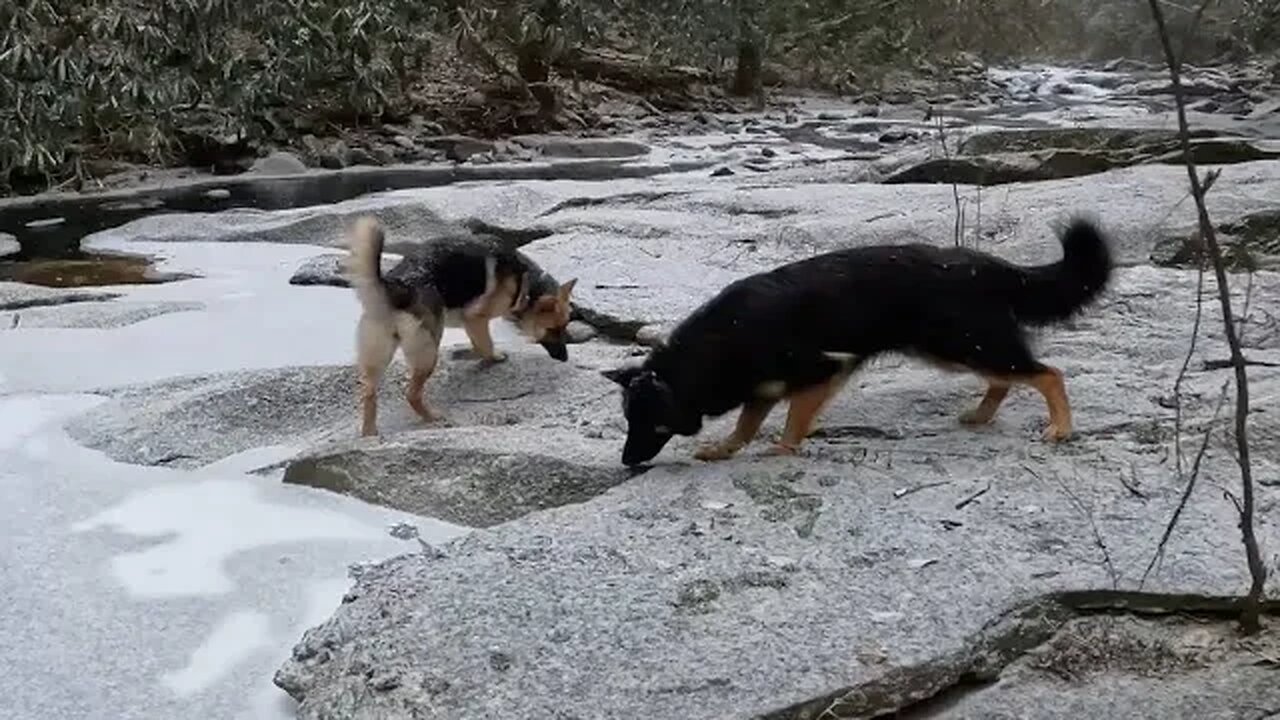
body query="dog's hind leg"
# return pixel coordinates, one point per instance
(997, 391)
(421, 347)
(749, 421)
(375, 345)
(994, 345)
(1050, 384)
(803, 410)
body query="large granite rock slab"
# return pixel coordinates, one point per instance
(869, 573)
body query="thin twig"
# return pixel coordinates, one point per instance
(1093, 526)
(1132, 486)
(1224, 364)
(1186, 490)
(955, 189)
(1249, 616)
(903, 492)
(1182, 372)
(965, 502)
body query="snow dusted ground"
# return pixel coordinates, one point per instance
(135, 592)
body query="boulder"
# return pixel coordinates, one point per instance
(9, 245)
(473, 477)
(279, 163)
(327, 270)
(458, 148)
(1005, 168)
(566, 147)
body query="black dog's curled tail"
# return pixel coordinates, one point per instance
(1055, 292)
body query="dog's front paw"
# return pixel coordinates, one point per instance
(976, 416)
(1056, 433)
(496, 357)
(779, 449)
(712, 452)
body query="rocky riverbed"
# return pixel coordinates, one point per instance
(503, 563)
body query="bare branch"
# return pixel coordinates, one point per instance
(1249, 616)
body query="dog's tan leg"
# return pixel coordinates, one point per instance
(417, 397)
(477, 328)
(375, 345)
(1050, 384)
(802, 412)
(749, 421)
(421, 352)
(997, 390)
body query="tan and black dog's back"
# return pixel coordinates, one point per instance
(447, 282)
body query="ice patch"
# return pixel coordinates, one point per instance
(234, 640)
(206, 523)
(22, 417)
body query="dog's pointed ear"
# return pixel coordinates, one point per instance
(623, 375)
(566, 289)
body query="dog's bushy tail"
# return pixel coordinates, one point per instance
(1055, 292)
(363, 266)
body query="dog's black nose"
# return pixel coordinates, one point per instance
(557, 350)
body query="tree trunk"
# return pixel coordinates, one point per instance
(746, 77)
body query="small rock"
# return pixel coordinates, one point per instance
(579, 332)
(768, 152)
(279, 163)
(500, 661)
(721, 172)
(9, 245)
(336, 157)
(403, 531)
(651, 335)
(218, 194)
(385, 682)
(361, 156)
(897, 136)
(458, 148)
(405, 142)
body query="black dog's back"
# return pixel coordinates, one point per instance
(802, 322)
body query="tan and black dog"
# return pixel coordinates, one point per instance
(799, 331)
(448, 282)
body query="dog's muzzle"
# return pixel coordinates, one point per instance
(642, 446)
(556, 348)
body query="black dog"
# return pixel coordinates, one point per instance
(799, 331)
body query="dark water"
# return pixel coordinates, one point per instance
(85, 270)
